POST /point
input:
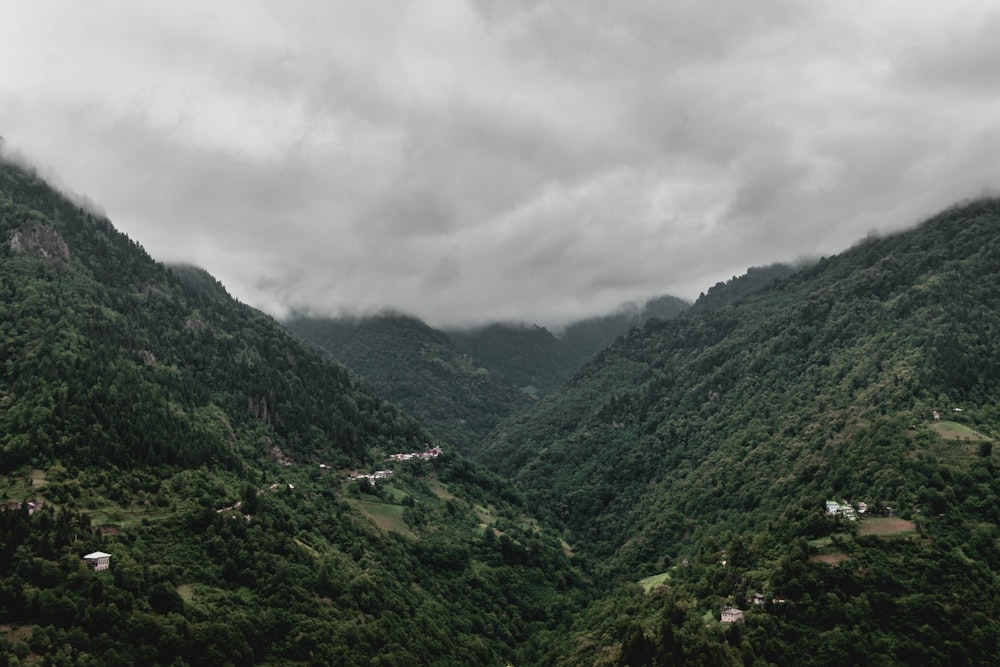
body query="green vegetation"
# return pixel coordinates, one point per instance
(886, 527)
(146, 414)
(683, 471)
(954, 431)
(307, 578)
(538, 361)
(709, 443)
(461, 384)
(386, 516)
(419, 369)
(651, 582)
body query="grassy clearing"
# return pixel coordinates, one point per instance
(820, 543)
(955, 431)
(123, 518)
(886, 527)
(16, 489)
(309, 549)
(38, 478)
(12, 633)
(827, 551)
(186, 591)
(438, 489)
(649, 583)
(567, 549)
(830, 558)
(484, 515)
(383, 515)
(394, 494)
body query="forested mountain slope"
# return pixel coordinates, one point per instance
(539, 361)
(145, 414)
(706, 447)
(419, 369)
(93, 331)
(439, 377)
(738, 287)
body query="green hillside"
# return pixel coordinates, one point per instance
(419, 369)
(147, 415)
(800, 469)
(739, 287)
(540, 361)
(461, 384)
(706, 447)
(111, 358)
(583, 339)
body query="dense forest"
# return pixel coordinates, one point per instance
(147, 415)
(540, 361)
(702, 451)
(799, 469)
(421, 370)
(461, 383)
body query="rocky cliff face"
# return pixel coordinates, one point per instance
(41, 240)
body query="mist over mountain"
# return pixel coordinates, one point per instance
(703, 450)
(539, 360)
(461, 383)
(756, 278)
(238, 481)
(797, 469)
(421, 370)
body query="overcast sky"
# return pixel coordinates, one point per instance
(472, 160)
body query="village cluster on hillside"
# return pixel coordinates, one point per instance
(846, 509)
(373, 477)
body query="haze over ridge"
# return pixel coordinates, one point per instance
(471, 162)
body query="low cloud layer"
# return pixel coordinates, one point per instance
(493, 159)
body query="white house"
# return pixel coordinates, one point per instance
(731, 615)
(98, 560)
(844, 509)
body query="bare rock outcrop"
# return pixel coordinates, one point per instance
(40, 240)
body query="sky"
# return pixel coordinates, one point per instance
(479, 160)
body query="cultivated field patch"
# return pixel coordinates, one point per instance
(438, 489)
(567, 549)
(830, 559)
(955, 431)
(38, 479)
(883, 527)
(186, 592)
(649, 583)
(383, 515)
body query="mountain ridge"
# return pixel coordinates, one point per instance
(146, 414)
(704, 450)
(460, 384)
(689, 469)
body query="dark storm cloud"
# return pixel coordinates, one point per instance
(491, 159)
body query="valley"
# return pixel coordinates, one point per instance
(797, 469)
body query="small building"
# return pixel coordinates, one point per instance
(758, 599)
(98, 560)
(731, 615)
(844, 509)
